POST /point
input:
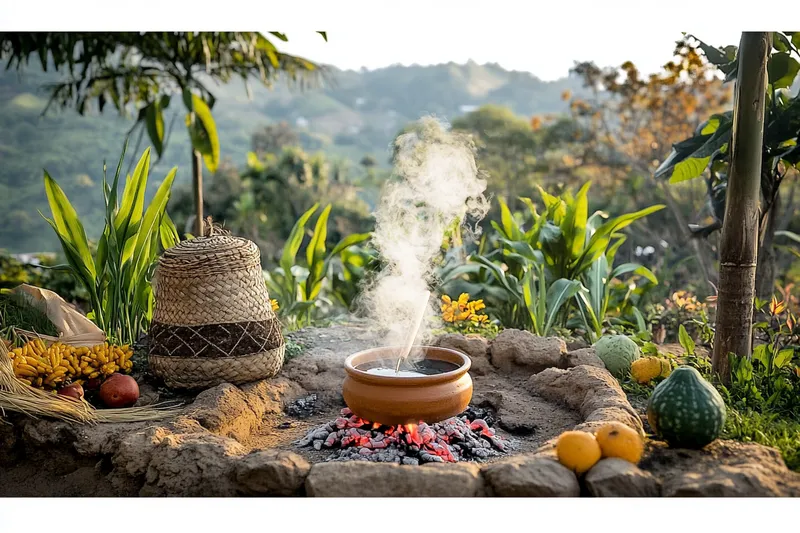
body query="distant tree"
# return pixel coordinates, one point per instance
(631, 120)
(507, 145)
(368, 162)
(141, 71)
(274, 138)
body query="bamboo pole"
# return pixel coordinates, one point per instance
(739, 240)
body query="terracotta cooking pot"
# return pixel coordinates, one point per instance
(393, 400)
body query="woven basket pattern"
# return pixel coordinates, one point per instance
(211, 280)
(196, 372)
(213, 322)
(215, 340)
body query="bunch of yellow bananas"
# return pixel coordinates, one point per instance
(50, 366)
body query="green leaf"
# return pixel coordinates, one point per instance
(783, 358)
(150, 229)
(279, 35)
(324, 35)
(510, 227)
(203, 132)
(573, 226)
(780, 42)
(499, 275)
(597, 278)
(641, 324)
(315, 255)
(760, 355)
(782, 69)
(559, 293)
(686, 341)
(351, 240)
(636, 269)
(68, 226)
(531, 297)
(590, 319)
(714, 55)
(154, 119)
(129, 216)
(295, 240)
(601, 238)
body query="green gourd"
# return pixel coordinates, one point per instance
(686, 410)
(617, 353)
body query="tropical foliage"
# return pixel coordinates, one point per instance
(117, 275)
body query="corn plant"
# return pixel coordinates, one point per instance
(298, 287)
(564, 258)
(594, 296)
(117, 278)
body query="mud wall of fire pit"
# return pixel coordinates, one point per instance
(200, 452)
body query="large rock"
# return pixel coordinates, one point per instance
(388, 480)
(192, 465)
(516, 350)
(531, 476)
(592, 391)
(474, 346)
(723, 468)
(271, 473)
(223, 410)
(582, 356)
(235, 412)
(614, 477)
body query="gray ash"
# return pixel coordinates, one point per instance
(303, 407)
(467, 437)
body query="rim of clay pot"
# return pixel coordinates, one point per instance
(386, 352)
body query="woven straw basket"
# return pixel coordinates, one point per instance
(213, 321)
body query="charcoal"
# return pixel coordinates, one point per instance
(467, 437)
(321, 434)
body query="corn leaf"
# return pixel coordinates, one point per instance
(559, 293)
(68, 226)
(295, 240)
(315, 255)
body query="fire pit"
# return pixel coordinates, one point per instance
(463, 438)
(433, 389)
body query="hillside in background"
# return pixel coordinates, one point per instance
(355, 114)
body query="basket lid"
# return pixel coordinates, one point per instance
(217, 253)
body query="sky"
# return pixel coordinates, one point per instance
(543, 37)
(547, 53)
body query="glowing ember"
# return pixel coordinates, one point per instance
(465, 437)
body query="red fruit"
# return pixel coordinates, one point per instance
(119, 390)
(73, 391)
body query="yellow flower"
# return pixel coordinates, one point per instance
(446, 299)
(476, 306)
(462, 300)
(274, 304)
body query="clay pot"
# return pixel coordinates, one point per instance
(395, 400)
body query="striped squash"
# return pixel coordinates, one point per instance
(686, 410)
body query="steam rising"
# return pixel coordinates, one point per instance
(435, 183)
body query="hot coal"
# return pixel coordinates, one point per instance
(423, 367)
(462, 438)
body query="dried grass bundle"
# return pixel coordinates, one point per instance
(16, 396)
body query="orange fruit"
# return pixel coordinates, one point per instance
(578, 450)
(618, 440)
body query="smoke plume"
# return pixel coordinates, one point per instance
(435, 183)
